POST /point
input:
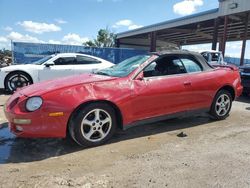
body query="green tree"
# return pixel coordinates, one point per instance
(5, 52)
(105, 38)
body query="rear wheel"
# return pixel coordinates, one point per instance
(16, 80)
(221, 105)
(93, 125)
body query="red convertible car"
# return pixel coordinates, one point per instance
(143, 88)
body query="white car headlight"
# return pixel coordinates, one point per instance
(34, 103)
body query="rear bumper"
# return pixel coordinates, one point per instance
(239, 91)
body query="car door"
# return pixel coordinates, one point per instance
(200, 83)
(85, 64)
(160, 93)
(63, 66)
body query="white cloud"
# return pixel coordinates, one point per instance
(126, 23)
(39, 28)
(197, 47)
(54, 42)
(233, 49)
(74, 39)
(60, 21)
(4, 43)
(234, 45)
(7, 28)
(18, 37)
(134, 26)
(187, 7)
(123, 23)
(70, 39)
(233, 54)
(3, 39)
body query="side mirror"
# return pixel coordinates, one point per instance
(140, 76)
(49, 64)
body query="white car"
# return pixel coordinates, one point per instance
(49, 67)
(213, 57)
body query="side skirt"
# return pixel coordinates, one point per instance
(165, 117)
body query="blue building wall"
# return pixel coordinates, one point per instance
(30, 52)
(235, 60)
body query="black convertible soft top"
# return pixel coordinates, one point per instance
(192, 54)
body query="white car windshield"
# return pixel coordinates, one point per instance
(41, 61)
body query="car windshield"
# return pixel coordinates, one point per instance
(124, 68)
(41, 61)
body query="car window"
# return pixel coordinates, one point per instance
(206, 56)
(215, 57)
(65, 61)
(83, 60)
(191, 66)
(43, 60)
(164, 66)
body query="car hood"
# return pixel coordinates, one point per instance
(59, 83)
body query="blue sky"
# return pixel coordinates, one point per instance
(75, 21)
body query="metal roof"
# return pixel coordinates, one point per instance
(202, 16)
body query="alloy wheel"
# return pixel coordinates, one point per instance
(96, 125)
(222, 105)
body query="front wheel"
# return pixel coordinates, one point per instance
(221, 105)
(93, 124)
(16, 80)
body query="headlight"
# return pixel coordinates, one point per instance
(34, 103)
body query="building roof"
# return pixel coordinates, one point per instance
(202, 16)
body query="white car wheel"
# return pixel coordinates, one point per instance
(16, 80)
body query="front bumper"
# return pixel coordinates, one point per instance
(2, 77)
(37, 124)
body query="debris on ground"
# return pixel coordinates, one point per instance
(182, 134)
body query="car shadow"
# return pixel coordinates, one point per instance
(17, 150)
(3, 92)
(245, 99)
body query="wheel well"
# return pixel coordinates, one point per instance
(115, 107)
(23, 72)
(230, 89)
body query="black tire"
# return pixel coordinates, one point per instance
(16, 80)
(219, 105)
(80, 131)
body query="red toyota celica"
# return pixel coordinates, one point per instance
(141, 89)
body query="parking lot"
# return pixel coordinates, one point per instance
(213, 154)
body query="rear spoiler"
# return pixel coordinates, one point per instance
(232, 67)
